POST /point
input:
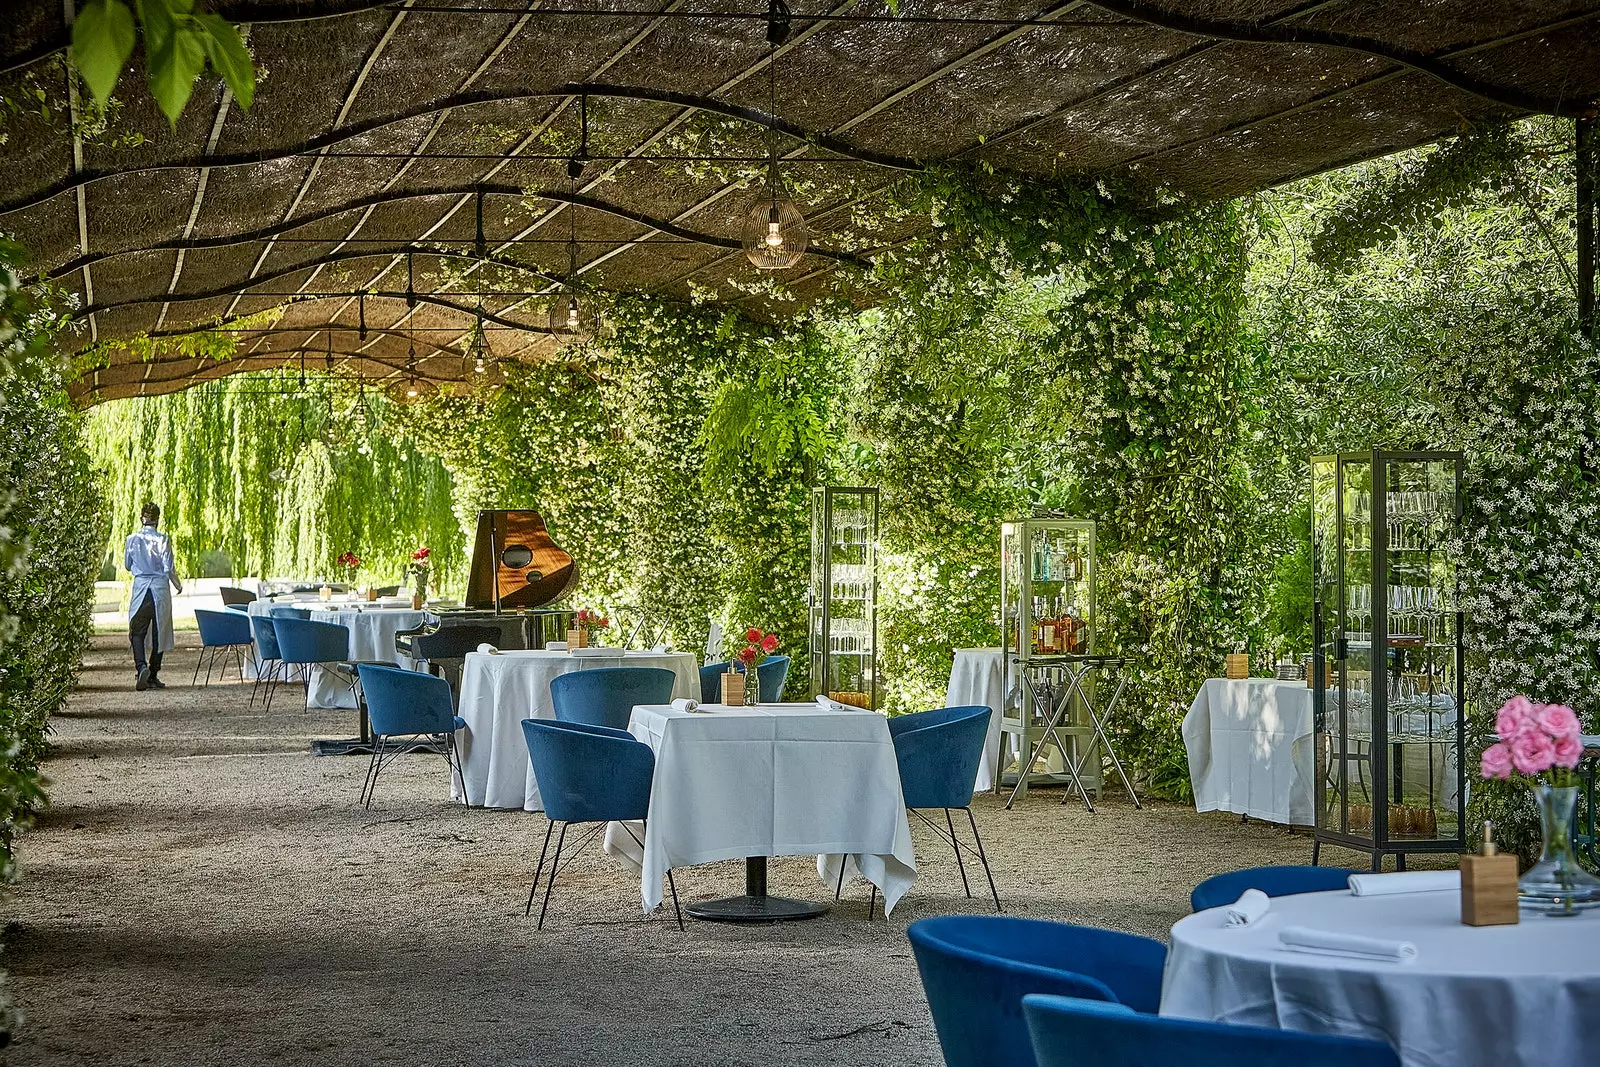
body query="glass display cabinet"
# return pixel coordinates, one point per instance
(1386, 673)
(843, 623)
(1047, 612)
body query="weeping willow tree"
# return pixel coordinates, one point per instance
(280, 475)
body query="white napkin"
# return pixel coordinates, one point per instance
(555, 646)
(685, 704)
(1329, 943)
(830, 704)
(1377, 885)
(663, 648)
(488, 649)
(1249, 908)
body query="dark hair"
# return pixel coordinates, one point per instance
(150, 514)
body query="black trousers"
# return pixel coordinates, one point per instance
(142, 623)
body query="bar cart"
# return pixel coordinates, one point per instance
(1048, 659)
(843, 624)
(1387, 673)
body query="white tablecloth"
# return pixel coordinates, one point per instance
(372, 628)
(1492, 996)
(772, 780)
(975, 681)
(1251, 749)
(499, 691)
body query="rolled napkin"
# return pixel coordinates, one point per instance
(662, 648)
(685, 704)
(1377, 885)
(1249, 908)
(555, 646)
(1329, 943)
(830, 704)
(488, 649)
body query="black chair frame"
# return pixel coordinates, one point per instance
(386, 748)
(230, 654)
(555, 866)
(947, 834)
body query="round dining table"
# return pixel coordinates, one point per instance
(500, 689)
(1472, 996)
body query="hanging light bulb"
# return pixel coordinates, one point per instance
(412, 387)
(478, 367)
(775, 232)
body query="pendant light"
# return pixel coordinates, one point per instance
(479, 370)
(571, 311)
(413, 387)
(775, 232)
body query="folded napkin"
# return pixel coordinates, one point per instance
(662, 648)
(1377, 885)
(555, 646)
(685, 704)
(1249, 908)
(829, 704)
(1329, 943)
(488, 649)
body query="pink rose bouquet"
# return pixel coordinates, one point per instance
(1534, 739)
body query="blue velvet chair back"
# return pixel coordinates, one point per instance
(1069, 1032)
(288, 611)
(711, 682)
(606, 696)
(938, 752)
(219, 629)
(976, 968)
(405, 702)
(589, 773)
(304, 641)
(1222, 889)
(266, 636)
(232, 595)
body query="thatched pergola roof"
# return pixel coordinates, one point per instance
(382, 132)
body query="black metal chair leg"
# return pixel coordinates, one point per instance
(365, 800)
(377, 768)
(872, 901)
(840, 887)
(981, 856)
(673, 885)
(962, 867)
(1316, 850)
(534, 888)
(195, 677)
(453, 754)
(210, 663)
(555, 866)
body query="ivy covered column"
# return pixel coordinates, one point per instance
(1151, 363)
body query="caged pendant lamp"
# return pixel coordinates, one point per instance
(412, 387)
(478, 366)
(775, 232)
(572, 316)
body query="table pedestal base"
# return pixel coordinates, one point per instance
(755, 906)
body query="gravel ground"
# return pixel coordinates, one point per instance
(204, 891)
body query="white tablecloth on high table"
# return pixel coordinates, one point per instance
(772, 780)
(975, 680)
(1489, 996)
(1251, 749)
(499, 690)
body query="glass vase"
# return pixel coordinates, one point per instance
(1557, 884)
(752, 687)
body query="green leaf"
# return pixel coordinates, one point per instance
(229, 57)
(174, 67)
(102, 41)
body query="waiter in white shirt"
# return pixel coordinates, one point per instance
(148, 557)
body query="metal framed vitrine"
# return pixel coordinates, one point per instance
(1386, 675)
(1047, 623)
(843, 615)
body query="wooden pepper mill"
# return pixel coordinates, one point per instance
(1489, 885)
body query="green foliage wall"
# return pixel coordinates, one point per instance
(281, 476)
(51, 530)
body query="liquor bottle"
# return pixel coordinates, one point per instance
(1038, 629)
(1049, 632)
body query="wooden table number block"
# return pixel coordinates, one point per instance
(1238, 665)
(732, 688)
(1489, 885)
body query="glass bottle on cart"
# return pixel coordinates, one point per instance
(842, 617)
(1386, 671)
(1047, 604)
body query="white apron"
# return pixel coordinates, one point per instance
(160, 587)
